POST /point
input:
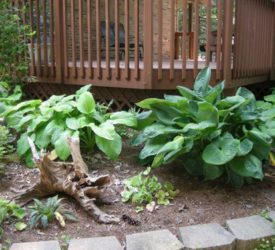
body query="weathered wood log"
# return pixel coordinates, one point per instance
(71, 178)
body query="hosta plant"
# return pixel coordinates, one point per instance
(51, 122)
(43, 213)
(211, 135)
(11, 212)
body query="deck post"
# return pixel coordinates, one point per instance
(228, 32)
(58, 15)
(273, 47)
(148, 43)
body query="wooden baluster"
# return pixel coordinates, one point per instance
(98, 39)
(107, 37)
(196, 37)
(117, 40)
(45, 40)
(172, 39)
(73, 38)
(126, 51)
(183, 42)
(160, 34)
(90, 48)
(81, 40)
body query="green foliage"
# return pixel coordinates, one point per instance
(7, 97)
(13, 44)
(43, 213)
(51, 122)
(143, 189)
(266, 244)
(211, 135)
(6, 147)
(11, 212)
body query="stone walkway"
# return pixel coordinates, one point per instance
(243, 234)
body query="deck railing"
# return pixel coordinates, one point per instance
(80, 41)
(254, 41)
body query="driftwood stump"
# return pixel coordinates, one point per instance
(71, 178)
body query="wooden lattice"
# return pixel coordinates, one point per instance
(119, 99)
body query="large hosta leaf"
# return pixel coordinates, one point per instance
(202, 81)
(212, 172)
(61, 145)
(43, 139)
(262, 143)
(231, 103)
(188, 93)
(166, 114)
(86, 103)
(148, 103)
(152, 147)
(207, 112)
(23, 144)
(104, 130)
(247, 166)
(245, 147)
(221, 151)
(124, 118)
(214, 94)
(112, 148)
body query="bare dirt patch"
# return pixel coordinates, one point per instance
(197, 202)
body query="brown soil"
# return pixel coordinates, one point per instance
(197, 202)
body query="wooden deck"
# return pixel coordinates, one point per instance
(70, 40)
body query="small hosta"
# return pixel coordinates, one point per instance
(145, 190)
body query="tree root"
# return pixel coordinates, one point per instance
(71, 178)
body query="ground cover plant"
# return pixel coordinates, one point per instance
(10, 212)
(43, 213)
(145, 190)
(210, 134)
(51, 122)
(266, 244)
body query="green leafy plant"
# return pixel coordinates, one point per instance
(14, 49)
(211, 135)
(51, 122)
(11, 212)
(43, 213)
(143, 189)
(6, 147)
(266, 244)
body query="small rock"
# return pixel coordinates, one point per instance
(191, 221)
(151, 206)
(40, 233)
(118, 167)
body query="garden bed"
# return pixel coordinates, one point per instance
(197, 201)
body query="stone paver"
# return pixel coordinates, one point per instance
(160, 240)
(206, 236)
(99, 243)
(249, 230)
(41, 245)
